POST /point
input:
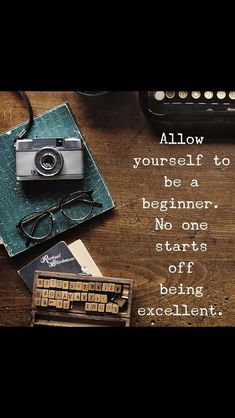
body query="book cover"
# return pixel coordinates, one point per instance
(58, 258)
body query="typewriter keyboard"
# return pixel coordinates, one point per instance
(90, 296)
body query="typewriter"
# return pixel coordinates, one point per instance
(200, 107)
(70, 300)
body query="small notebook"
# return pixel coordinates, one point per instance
(58, 258)
(18, 199)
(85, 260)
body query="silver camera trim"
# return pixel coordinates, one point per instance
(70, 148)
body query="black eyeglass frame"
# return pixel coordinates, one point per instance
(38, 216)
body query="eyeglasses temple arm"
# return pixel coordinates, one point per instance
(82, 200)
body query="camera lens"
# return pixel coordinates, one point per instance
(48, 162)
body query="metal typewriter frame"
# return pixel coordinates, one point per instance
(50, 317)
(189, 112)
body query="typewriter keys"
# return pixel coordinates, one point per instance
(64, 299)
(193, 95)
(189, 106)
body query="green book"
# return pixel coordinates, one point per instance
(18, 199)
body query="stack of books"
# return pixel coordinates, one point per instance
(73, 258)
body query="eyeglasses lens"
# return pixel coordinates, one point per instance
(77, 207)
(37, 225)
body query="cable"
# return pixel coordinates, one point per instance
(30, 123)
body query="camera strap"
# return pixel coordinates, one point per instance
(30, 122)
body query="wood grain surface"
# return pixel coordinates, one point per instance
(123, 242)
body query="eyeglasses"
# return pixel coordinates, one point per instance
(76, 206)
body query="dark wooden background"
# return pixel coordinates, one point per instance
(123, 242)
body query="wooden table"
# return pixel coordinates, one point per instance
(123, 242)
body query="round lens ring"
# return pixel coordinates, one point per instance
(37, 226)
(48, 161)
(77, 207)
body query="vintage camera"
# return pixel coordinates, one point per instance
(49, 159)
